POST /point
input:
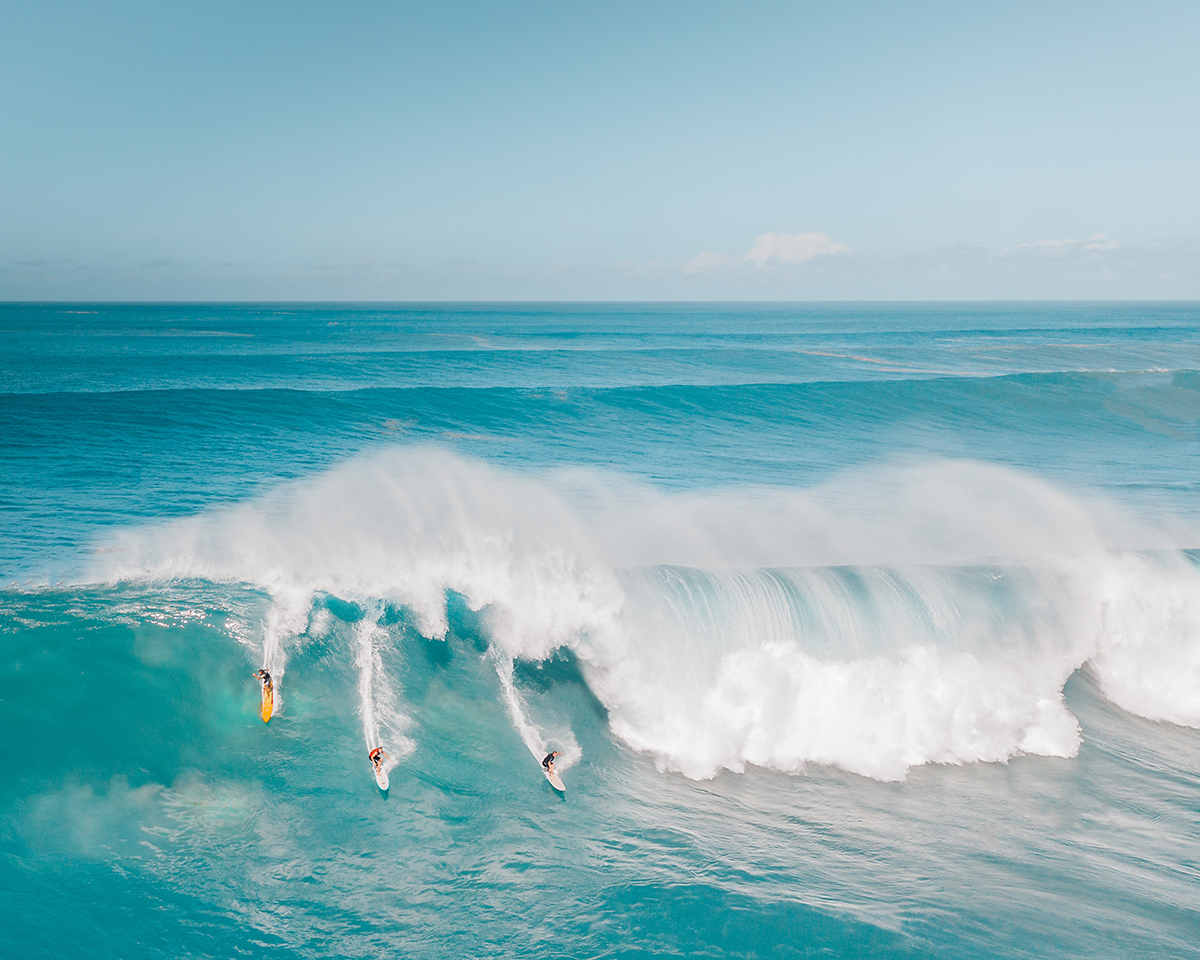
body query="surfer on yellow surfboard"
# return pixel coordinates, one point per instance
(268, 693)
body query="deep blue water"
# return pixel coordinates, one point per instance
(865, 630)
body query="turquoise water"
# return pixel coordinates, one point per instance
(865, 630)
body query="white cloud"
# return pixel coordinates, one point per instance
(705, 262)
(792, 248)
(654, 268)
(769, 250)
(1099, 243)
(1049, 244)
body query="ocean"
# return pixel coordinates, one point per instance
(863, 630)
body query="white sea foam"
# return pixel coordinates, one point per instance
(1148, 658)
(852, 624)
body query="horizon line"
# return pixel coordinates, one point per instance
(550, 302)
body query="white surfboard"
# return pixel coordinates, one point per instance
(555, 781)
(381, 778)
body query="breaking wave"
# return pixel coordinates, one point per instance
(902, 616)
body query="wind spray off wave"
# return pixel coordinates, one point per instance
(928, 614)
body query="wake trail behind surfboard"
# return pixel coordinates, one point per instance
(282, 621)
(535, 739)
(381, 717)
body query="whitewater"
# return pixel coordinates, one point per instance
(862, 630)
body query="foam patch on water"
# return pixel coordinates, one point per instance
(858, 624)
(117, 820)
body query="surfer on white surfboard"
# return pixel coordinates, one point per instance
(548, 770)
(377, 757)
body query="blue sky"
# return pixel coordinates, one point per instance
(566, 150)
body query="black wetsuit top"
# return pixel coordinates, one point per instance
(549, 760)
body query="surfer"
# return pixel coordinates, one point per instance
(268, 693)
(548, 761)
(377, 756)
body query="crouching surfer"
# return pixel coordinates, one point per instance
(377, 757)
(268, 693)
(548, 770)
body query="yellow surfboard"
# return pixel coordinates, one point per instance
(268, 702)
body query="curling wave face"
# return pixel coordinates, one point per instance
(892, 618)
